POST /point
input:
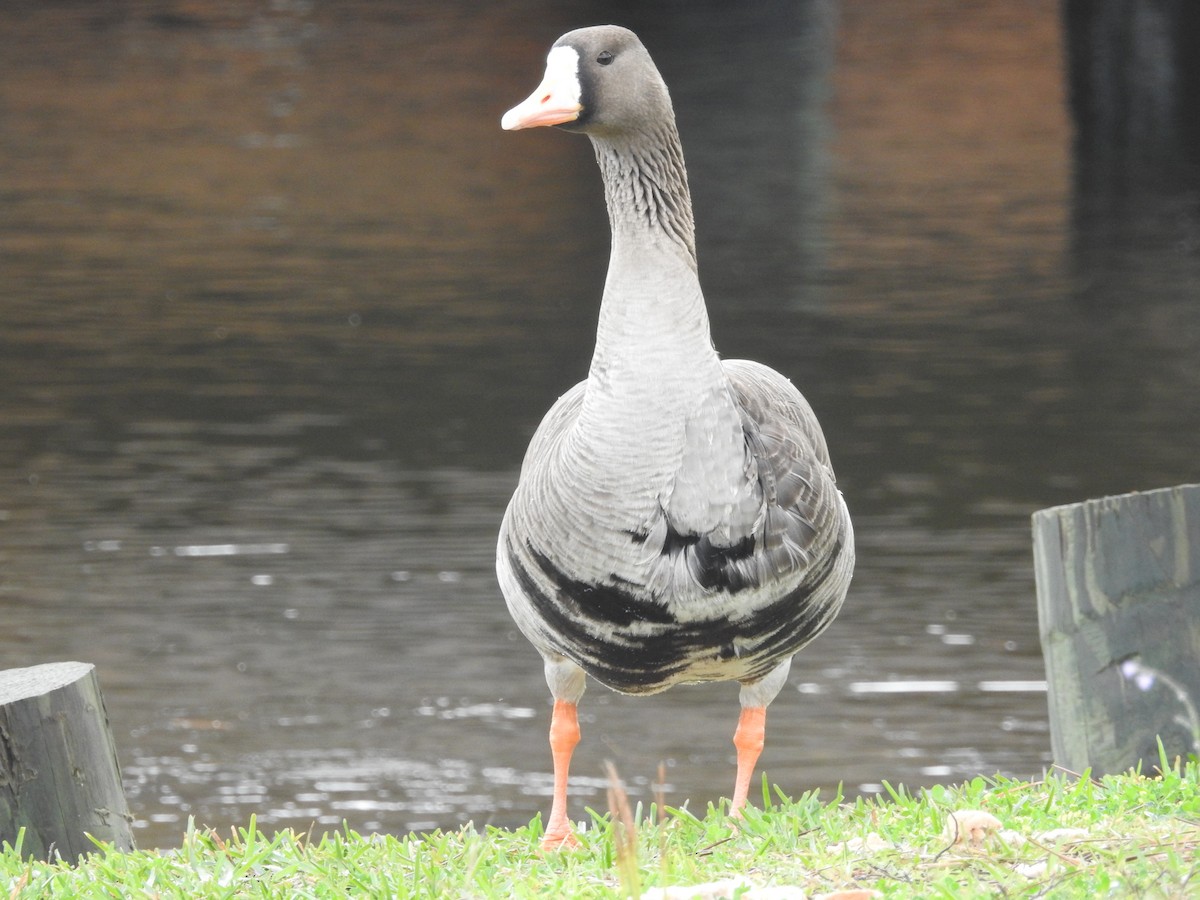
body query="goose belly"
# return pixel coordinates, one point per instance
(636, 644)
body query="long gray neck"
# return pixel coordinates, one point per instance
(646, 189)
(654, 359)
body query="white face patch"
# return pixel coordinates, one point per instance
(556, 100)
(562, 71)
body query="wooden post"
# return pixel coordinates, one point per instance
(1118, 588)
(59, 777)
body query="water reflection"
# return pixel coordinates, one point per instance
(282, 306)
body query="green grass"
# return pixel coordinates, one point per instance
(1130, 836)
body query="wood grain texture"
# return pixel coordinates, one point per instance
(59, 775)
(1118, 587)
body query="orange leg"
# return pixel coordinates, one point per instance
(748, 739)
(564, 735)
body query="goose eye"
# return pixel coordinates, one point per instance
(604, 58)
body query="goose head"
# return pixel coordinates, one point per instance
(600, 81)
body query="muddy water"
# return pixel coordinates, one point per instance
(281, 306)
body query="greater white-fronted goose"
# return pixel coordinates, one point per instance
(676, 518)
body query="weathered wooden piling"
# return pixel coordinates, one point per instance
(59, 776)
(1118, 588)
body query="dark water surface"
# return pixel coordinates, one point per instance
(280, 306)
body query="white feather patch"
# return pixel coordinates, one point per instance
(562, 70)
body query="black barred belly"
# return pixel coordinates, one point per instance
(636, 646)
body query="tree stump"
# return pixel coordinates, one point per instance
(59, 776)
(1118, 588)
